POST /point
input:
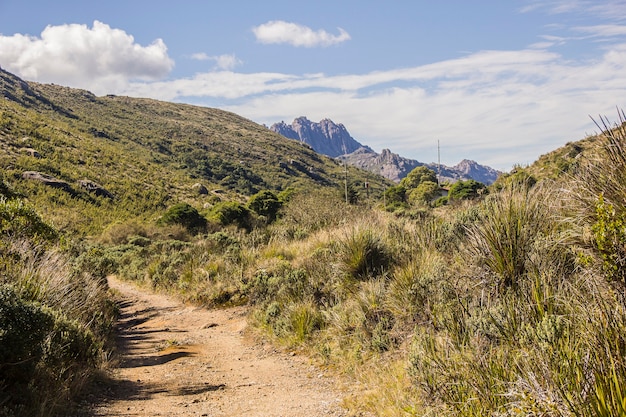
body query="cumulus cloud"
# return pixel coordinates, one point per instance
(278, 31)
(99, 58)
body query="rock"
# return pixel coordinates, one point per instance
(201, 189)
(95, 188)
(47, 180)
(325, 137)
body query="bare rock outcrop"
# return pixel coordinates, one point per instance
(95, 188)
(47, 180)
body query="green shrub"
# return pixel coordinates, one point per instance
(231, 212)
(185, 215)
(609, 232)
(395, 198)
(43, 355)
(505, 240)
(19, 220)
(265, 203)
(424, 193)
(418, 176)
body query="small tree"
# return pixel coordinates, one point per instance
(467, 190)
(395, 197)
(426, 192)
(418, 176)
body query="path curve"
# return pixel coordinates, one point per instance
(180, 360)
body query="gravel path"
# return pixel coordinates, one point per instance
(179, 360)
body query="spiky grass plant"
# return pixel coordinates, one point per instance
(504, 242)
(364, 253)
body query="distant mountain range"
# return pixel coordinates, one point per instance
(329, 138)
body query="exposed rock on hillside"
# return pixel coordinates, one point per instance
(47, 180)
(95, 188)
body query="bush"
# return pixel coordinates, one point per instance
(424, 193)
(506, 241)
(265, 203)
(231, 212)
(185, 215)
(418, 176)
(43, 355)
(19, 220)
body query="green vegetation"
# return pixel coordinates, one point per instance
(55, 316)
(508, 301)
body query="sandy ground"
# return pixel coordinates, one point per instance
(179, 360)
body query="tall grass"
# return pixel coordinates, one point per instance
(55, 319)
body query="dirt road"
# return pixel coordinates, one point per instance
(179, 360)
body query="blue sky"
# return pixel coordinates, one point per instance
(499, 82)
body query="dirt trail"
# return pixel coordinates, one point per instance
(178, 360)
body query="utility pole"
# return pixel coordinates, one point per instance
(345, 166)
(438, 163)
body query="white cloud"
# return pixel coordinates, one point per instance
(614, 10)
(278, 31)
(200, 56)
(98, 58)
(224, 62)
(603, 30)
(497, 107)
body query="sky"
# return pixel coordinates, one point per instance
(500, 82)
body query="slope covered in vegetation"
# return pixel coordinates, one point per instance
(505, 301)
(143, 155)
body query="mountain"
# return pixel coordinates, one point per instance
(325, 137)
(329, 138)
(87, 161)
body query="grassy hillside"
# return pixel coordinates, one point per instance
(147, 154)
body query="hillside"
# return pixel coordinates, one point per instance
(143, 154)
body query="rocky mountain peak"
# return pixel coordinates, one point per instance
(325, 137)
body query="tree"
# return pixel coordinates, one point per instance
(467, 190)
(417, 176)
(395, 197)
(265, 203)
(424, 193)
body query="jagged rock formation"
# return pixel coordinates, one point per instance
(324, 137)
(329, 138)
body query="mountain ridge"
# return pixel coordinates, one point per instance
(334, 140)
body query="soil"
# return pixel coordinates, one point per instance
(181, 360)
